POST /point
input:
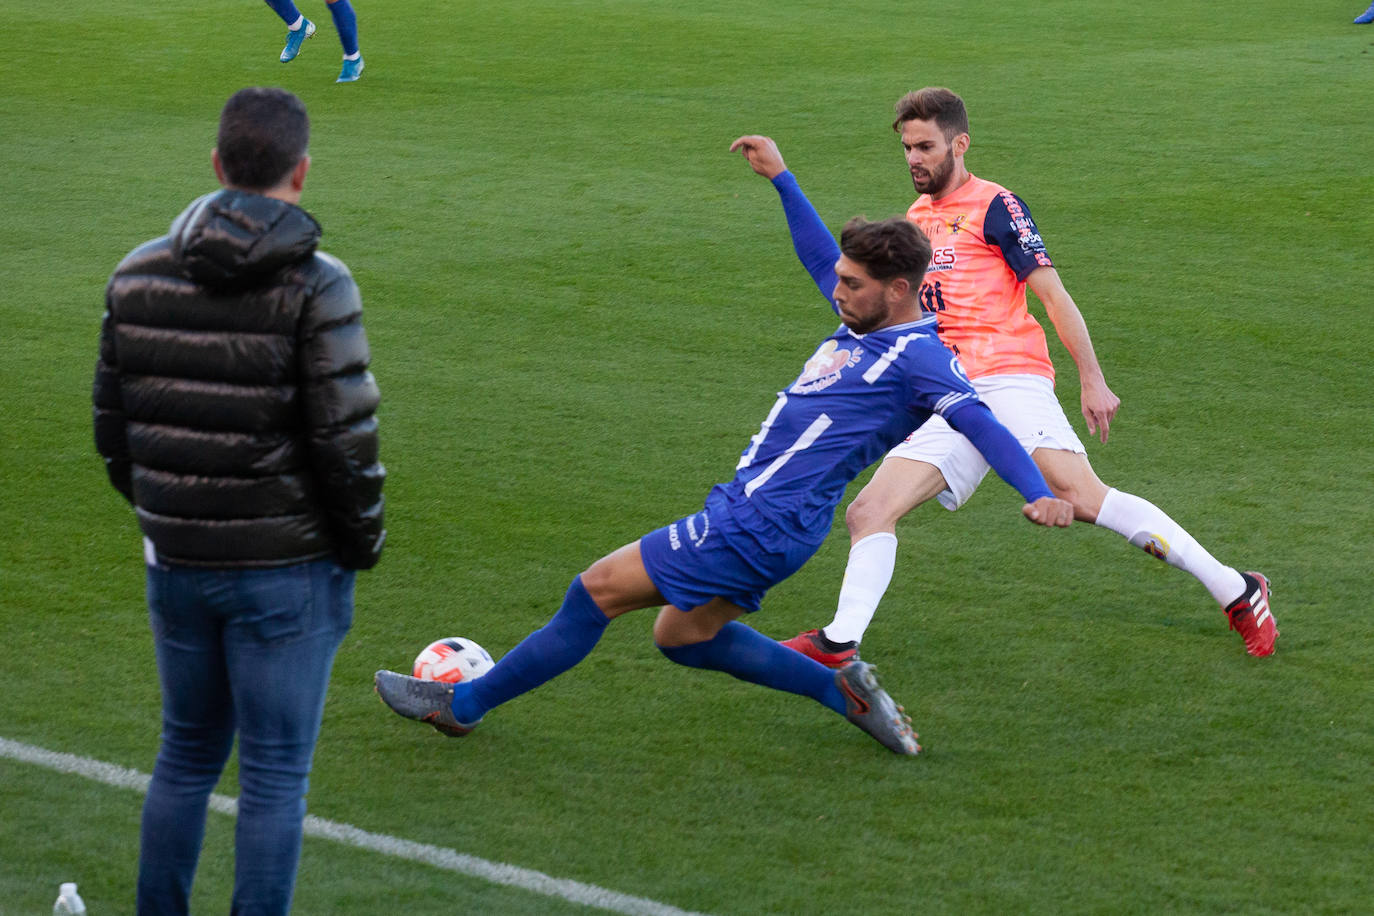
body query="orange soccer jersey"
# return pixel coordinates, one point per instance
(985, 245)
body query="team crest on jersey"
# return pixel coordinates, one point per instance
(957, 223)
(824, 367)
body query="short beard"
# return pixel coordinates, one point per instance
(939, 178)
(870, 324)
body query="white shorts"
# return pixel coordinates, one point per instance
(1024, 404)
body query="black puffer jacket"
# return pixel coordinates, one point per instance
(233, 403)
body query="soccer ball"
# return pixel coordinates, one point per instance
(452, 660)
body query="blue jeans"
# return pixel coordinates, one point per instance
(246, 651)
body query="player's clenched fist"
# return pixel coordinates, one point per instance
(1050, 512)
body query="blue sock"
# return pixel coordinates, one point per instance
(286, 10)
(346, 21)
(547, 652)
(747, 654)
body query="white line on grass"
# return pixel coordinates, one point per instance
(437, 856)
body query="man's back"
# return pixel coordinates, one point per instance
(233, 401)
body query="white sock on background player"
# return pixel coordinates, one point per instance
(866, 578)
(1146, 526)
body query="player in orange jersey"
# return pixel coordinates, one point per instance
(987, 251)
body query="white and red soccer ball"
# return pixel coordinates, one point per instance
(452, 660)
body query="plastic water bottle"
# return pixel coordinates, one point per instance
(69, 902)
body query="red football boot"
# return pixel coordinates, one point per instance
(814, 645)
(1250, 616)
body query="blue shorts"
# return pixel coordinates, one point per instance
(720, 552)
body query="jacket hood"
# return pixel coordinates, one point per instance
(236, 238)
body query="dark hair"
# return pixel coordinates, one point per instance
(263, 133)
(933, 103)
(889, 248)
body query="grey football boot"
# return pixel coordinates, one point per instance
(426, 701)
(873, 710)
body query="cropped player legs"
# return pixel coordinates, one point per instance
(346, 23)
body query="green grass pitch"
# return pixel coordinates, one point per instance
(581, 305)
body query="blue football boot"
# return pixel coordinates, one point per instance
(352, 69)
(1366, 17)
(295, 39)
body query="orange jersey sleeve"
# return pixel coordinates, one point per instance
(984, 245)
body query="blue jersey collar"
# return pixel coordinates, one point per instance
(926, 322)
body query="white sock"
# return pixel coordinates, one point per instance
(1146, 526)
(866, 578)
(296, 26)
(354, 56)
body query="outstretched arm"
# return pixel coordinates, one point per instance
(812, 241)
(1098, 403)
(976, 422)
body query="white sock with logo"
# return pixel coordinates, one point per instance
(1143, 524)
(866, 578)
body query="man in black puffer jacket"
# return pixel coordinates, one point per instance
(235, 410)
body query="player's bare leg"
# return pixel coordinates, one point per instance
(619, 583)
(898, 486)
(1071, 477)
(676, 627)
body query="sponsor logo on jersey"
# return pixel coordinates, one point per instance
(1014, 208)
(1026, 232)
(696, 532)
(942, 258)
(698, 538)
(1031, 242)
(825, 366)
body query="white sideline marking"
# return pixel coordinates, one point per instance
(437, 856)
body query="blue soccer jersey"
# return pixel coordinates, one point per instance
(857, 396)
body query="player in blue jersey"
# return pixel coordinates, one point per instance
(298, 29)
(869, 384)
(986, 252)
